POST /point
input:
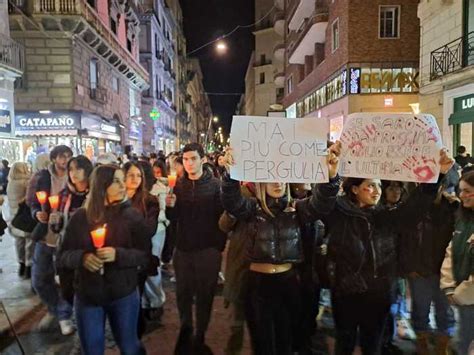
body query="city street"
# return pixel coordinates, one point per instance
(26, 311)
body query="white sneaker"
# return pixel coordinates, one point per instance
(67, 328)
(404, 330)
(46, 321)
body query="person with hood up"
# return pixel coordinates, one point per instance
(275, 246)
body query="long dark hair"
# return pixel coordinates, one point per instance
(148, 171)
(82, 162)
(348, 184)
(162, 166)
(139, 199)
(463, 212)
(102, 177)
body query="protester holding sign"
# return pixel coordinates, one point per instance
(272, 302)
(362, 254)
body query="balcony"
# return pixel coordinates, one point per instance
(279, 52)
(302, 41)
(452, 57)
(279, 23)
(99, 94)
(279, 79)
(260, 63)
(303, 10)
(80, 19)
(12, 56)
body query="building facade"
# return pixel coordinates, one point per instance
(157, 55)
(83, 80)
(200, 107)
(347, 56)
(11, 69)
(265, 78)
(446, 68)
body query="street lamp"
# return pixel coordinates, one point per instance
(221, 47)
(215, 119)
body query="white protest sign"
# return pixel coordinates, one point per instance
(273, 149)
(391, 146)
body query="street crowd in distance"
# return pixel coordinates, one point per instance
(374, 254)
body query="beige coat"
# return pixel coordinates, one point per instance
(16, 192)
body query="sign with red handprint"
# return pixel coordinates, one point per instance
(391, 146)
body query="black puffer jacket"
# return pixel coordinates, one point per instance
(362, 247)
(278, 240)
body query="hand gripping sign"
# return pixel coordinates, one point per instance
(391, 146)
(274, 149)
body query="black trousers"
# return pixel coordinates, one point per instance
(364, 314)
(272, 311)
(196, 277)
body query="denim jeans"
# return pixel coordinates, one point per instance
(153, 294)
(123, 319)
(42, 278)
(425, 290)
(466, 328)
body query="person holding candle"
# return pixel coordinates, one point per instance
(112, 293)
(148, 206)
(196, 207)
(51, 182)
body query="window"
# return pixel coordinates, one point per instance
(335, 35)
(91, 3)
(157, 47)
(289, 85)
(389, 21)
(115, 84)
(113, 25)
(263, 59)
(129, 45)
(93, 73)
(262, 78)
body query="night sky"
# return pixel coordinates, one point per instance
(206, 20)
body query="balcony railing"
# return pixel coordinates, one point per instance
(12, 54)
(81, 8)
(453, 56)
(99, 94)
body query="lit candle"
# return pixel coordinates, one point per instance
(98, 236)
(54, 202)
(41, 196)
(172, 180)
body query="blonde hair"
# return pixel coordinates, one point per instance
(261, 195)
(19, 170)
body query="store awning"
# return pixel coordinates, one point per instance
(461, 117)
(102, 135)
(47, 132)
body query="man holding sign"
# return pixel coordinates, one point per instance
(362, 237)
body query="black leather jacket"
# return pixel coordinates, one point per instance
(278, 240)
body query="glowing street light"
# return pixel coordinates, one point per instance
(215, 119)
(221, 47)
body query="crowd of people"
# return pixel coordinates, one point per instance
(369, 250)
